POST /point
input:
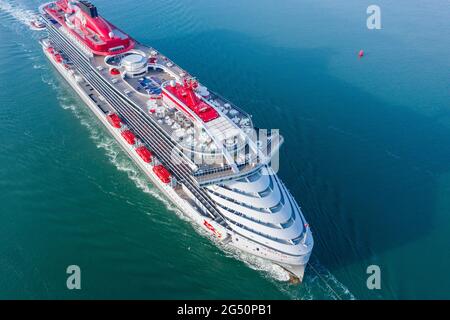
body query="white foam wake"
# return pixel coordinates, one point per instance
(21, 14)
(321, 278)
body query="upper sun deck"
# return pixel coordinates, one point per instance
(81, 19)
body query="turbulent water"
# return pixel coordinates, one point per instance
(367, 144)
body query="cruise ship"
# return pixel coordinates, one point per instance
(202, 151)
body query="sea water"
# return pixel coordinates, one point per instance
(367, 146)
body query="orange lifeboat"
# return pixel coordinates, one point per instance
(162, 173)
(58, 57)
(129, 137)
(144, 153)
(114, 120)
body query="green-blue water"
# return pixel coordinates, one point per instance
(366, 153)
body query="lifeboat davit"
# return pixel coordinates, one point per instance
(162, 173)
(144, 153)
(129, 136)
(114, 120)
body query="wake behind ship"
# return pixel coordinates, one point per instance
(198, 148)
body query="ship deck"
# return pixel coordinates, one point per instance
(163, 69)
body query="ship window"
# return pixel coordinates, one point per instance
(289, 222)
(261, 234)
(254, 176)
(298, 239)
(276, 208)
(279, 206)
(240, 203)
(268, 190)
(240, 214)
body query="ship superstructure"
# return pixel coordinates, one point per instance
(200, 149)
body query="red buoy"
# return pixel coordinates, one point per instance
(361, 53)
